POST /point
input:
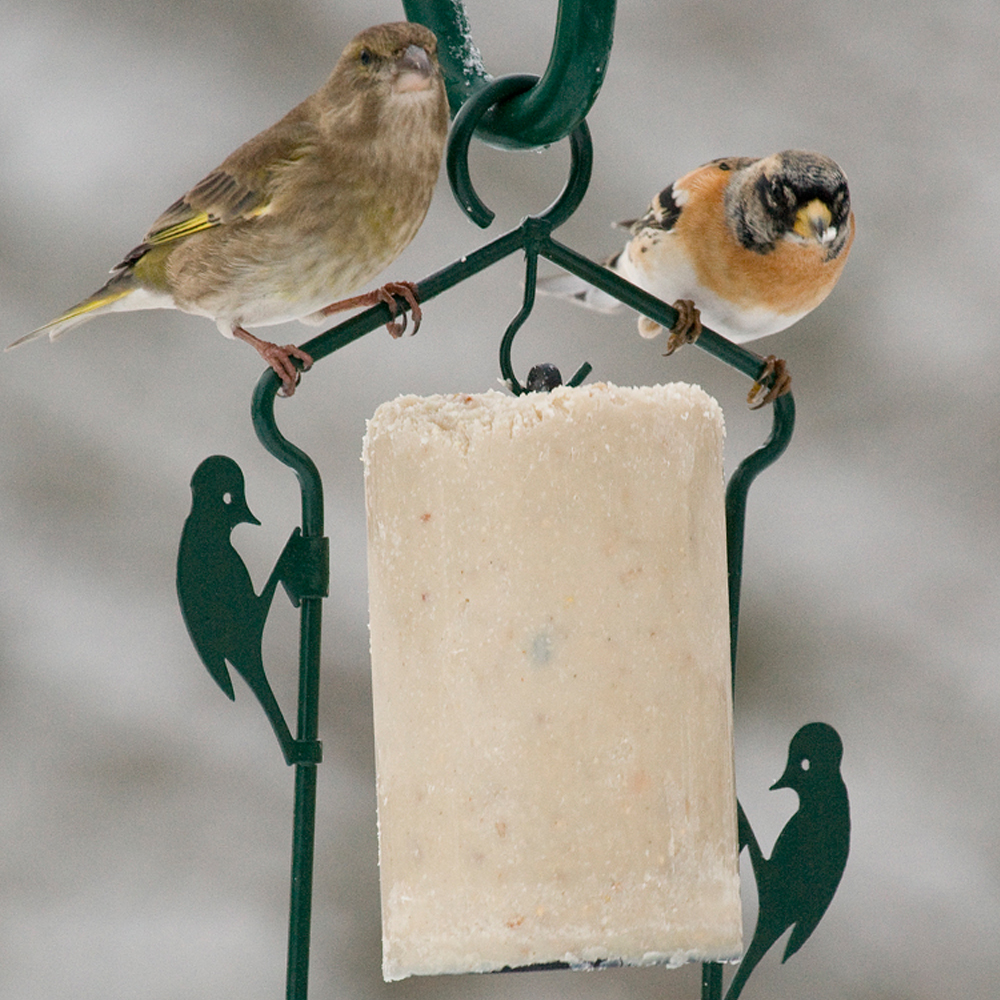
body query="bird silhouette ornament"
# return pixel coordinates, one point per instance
(224, 615)
(796, 884)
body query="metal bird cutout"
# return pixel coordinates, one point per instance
(224, 615)
(796, 884)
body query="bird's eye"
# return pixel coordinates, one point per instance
(366, 57)
(227, 498)
(804, 763)
(724, 166)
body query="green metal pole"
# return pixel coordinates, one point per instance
(311, 605)
(304, 826)
(711, 981)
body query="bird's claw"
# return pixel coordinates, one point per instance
(775, 378)
(687, 329)
(387, 295)
(407, 290)
(280, 359)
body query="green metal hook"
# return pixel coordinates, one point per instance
(462, 129)
(555, 106)
(536, 229)
(467, 121)
(531, 250)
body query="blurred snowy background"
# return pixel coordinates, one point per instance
(145, 820)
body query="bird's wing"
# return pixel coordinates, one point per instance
(217, 199)
(239, 190)
(663, 213)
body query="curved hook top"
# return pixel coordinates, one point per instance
(782, 425)
(266, 428)
(559, 102)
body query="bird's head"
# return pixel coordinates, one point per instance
(814, 754)
(387, 94)
(391, 60)
(218, 488)
(796, 195)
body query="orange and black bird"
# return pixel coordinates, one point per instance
(746, 246)
(224, 615)
(796, 884)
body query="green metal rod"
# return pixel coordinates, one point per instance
(310, 633)
(347, 332)
(364, 322)
(711, 981)
(641, 301)
(304, 823)
(782, 425)
(310, 483)
(554, 107)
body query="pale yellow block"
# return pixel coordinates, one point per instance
(550, 669)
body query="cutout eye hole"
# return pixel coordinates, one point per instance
(227, 498)
(365, 57)
(804, 764)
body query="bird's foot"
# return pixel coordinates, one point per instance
(387, 293)
(687, 329)
(408, 290)
(279, 358)
(775, 378)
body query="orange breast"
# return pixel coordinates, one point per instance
(792, 278)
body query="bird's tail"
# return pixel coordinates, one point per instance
(568, 286)
(110, 298)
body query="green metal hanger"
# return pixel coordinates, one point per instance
(514, 112)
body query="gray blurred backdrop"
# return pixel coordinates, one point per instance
(145, 820)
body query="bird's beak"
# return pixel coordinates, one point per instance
(813, 221)
(785, 781)
(413, 70)
(242, 514)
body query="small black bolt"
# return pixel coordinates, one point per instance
(544, 378)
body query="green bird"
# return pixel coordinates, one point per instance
(303, 214)
(224, 615)
(797, 882)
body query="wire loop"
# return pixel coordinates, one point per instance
(466, 122)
